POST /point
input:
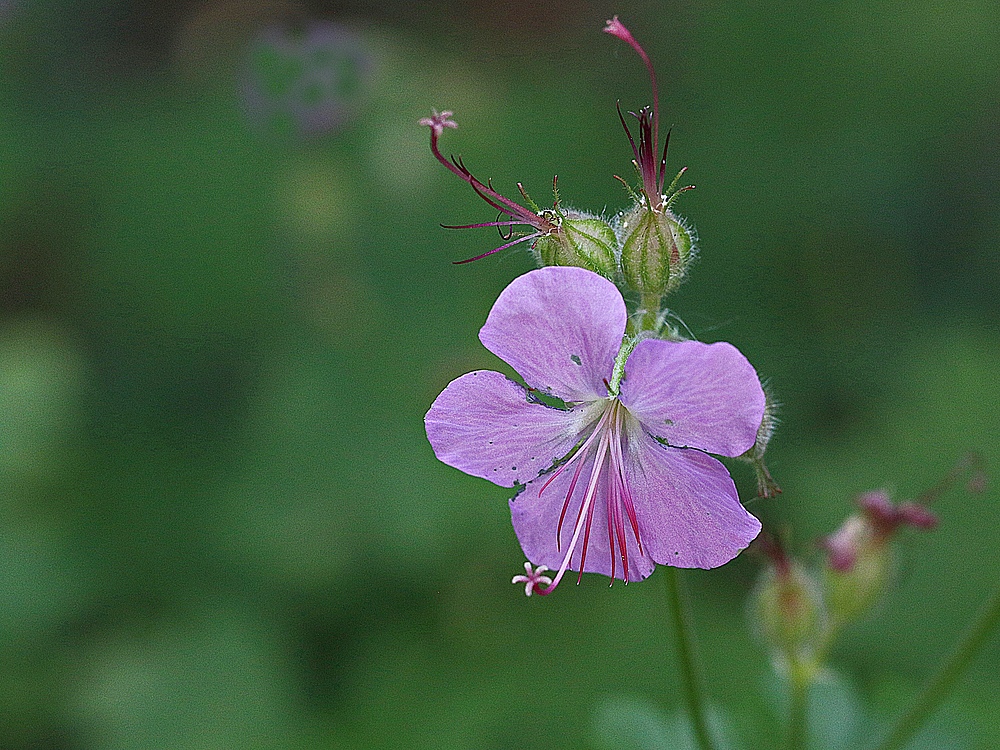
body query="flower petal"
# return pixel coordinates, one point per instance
(484, 425)
(560, 328)
(696, 395)
(536, 514)
(689, 513)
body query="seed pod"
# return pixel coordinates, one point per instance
(581, 240)
(656, 248)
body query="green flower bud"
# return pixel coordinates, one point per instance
(853, 590)
(787, 607)
(859, 554)
(580, 240)
(656, 248)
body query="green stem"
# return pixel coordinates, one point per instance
(948, 673)
(649, 312)
(685, 655)
(798, 686)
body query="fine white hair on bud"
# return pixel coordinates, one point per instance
(657, 247)
(583, 240)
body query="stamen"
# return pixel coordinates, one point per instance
(663, 161)
(499, 223)
(627, 131)
(483, 224)
(617, 489)
(611, 543)
(626, 495)
(609, 464)
(576, 476)
(569, 495)
(586, 543)
(620, 531)
(579, 453)
(588, 499)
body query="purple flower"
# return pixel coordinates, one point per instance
(617, 476)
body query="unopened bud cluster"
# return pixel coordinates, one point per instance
(799, 612)
(580, 239)
(787, 604)
(641, 250)
(645, 249)
(859, 557)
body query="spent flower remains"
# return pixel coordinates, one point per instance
(610, 439)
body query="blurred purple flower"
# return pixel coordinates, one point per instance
(619, 472)
(307, 78)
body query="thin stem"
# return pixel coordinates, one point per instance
(799, 679)
(647, 316)
(686, 656)
(948, 673)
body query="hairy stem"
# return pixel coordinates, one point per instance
(690, 675)
(649, 312)
(938, 687)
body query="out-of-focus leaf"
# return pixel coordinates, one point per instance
(634, 723)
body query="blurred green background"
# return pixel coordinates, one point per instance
(221, 525)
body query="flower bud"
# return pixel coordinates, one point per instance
(858, 568)
(787, 604)
(859, 558)
(582, 240)
(656, 248)
(789, 609)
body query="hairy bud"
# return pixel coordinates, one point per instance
(787, 605)
(858, 569)
(656, 248)
(580, 239)
(789, 609)
(859, 557)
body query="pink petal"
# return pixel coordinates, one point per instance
(560, 328)
(536, 518)
(696, 395)
(689, 513)
(483, 424)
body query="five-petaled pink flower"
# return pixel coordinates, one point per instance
(620, 478)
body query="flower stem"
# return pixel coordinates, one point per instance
(799, 679)
(685, 655)
(948, 673)
(649, 312)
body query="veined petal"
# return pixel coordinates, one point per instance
(560, 328)
(484, 425)
(536, 518)
(696, 395)
(689, 513)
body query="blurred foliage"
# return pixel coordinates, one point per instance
(220, 523)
